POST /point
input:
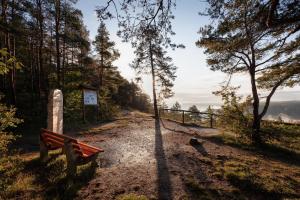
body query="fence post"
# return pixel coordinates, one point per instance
(211, 121)
(183, 116)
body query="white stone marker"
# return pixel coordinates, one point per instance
(55, 111)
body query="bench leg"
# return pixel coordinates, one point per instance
(71, 160)
(94, 163)
(71, 168)
(43, 152)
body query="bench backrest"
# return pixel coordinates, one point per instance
(59, 140)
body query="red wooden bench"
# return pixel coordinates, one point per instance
(77, 153)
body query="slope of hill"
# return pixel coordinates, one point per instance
(285, 110)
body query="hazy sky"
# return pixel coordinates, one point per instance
(195, 82)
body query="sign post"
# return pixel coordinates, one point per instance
(89, 98)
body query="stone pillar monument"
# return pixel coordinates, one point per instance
(55, 111)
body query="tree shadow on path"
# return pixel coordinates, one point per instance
(163, 177)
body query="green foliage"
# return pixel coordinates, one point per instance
(73, 108)
(131, 197)
(9, 168)
(134, 14)
(52, 42)
(238, 41)
(26, 178)
(245, 174)
(200, 191)
(105, 48)
(194, 111)
(176, 106)
(164, 105)
(193, 108)
(280, 134)
(148, 28)
(108, 110)
(7, 122)
(234, 114)
(151, 58)
(8, 62)
(209, 110)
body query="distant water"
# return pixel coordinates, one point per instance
(287, 111)
(200, 106)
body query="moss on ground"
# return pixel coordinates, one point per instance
(131, 197)
(254, 176)
(270, 171)
(210, 192)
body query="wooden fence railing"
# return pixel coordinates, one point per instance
(211, 117)
(203, 115)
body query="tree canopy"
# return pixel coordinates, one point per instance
(237, 41)
(51, 41)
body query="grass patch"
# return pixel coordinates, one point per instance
(286, 136)
(14, 180)
(200, 191)
(29, 179)
(275, 151)
(270, 171)
(131, 197)
(105, 127)
(253, 178)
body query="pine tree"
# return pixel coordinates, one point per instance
(239, 43)
(106, 52)
(148, 29)
(151, 59)
(176, 106)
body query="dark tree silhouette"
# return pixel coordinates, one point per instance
(239, 43)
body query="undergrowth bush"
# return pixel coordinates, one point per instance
(108, 110)
(234, 114)
(281, 134)
(8, 121)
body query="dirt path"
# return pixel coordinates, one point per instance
(156, 160)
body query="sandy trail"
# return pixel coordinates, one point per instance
(140, 156)
(155, 159)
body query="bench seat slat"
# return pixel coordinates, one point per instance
(59, 135)
(58, 143)
(88, 151)
(56, 140)
(86, 146)
(56, 137)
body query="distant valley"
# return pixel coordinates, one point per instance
(288, 111)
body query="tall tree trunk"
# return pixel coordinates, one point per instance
(57, 28)
(63, 59)
(51, 46)
(101, 72)
(13, 75)
(256, 118)
(64, 48)
(153, 82)
(41, 44)
(12, 51)
(30, 49)
(5, 33)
